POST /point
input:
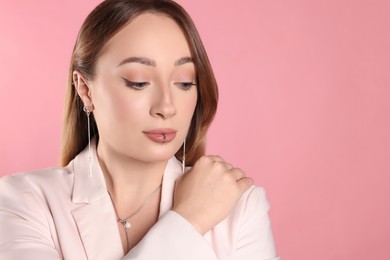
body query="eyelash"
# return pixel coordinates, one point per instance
(135, 85)
(185, 85)
(141, 85)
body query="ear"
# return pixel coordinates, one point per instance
(83, 89)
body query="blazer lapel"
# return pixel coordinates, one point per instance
(98, 230)
(95, 217)
(173, 170)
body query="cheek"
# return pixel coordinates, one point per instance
(187, 105)
(192, 105)
(129, 110)
(116, 105)
(125, 104)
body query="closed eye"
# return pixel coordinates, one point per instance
(185, 85)
(136, 85)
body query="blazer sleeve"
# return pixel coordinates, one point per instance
(172, 237)
(24, 232)
(255, 239)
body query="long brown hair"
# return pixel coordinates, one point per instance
(100, 25)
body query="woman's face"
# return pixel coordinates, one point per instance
(143, 91)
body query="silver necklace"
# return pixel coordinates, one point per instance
(125, 221)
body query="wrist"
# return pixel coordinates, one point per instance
(194, 221)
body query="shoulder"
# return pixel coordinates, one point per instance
(249, 212)
(255, 199)
(39, 176)
(252, 208)
(35, 182)
(246, 232)
(27, 196)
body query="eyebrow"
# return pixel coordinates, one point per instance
(141, 60)
(149, 62)
(183, 60)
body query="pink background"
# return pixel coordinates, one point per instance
(304, 108)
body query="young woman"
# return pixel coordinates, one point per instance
(135, 183)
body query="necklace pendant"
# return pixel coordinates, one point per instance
(127, 225)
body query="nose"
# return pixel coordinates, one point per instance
(163, 105)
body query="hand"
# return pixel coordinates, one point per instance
(207, 193)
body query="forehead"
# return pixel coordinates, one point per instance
(155, 36)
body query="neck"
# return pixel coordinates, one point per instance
(128, 179)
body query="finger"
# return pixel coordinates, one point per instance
(237, 173)
(216, 158)
(225, 165)
(229, 166)
(219, 159)
(244, 184)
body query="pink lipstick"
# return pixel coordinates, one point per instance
(161, 135)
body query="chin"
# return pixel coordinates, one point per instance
(158, 154)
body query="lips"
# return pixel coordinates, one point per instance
(162, 135)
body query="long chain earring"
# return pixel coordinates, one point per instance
(89, 143)
(183, 161)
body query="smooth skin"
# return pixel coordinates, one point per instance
(144, 80)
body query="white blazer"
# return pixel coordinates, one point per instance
(62, 213)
